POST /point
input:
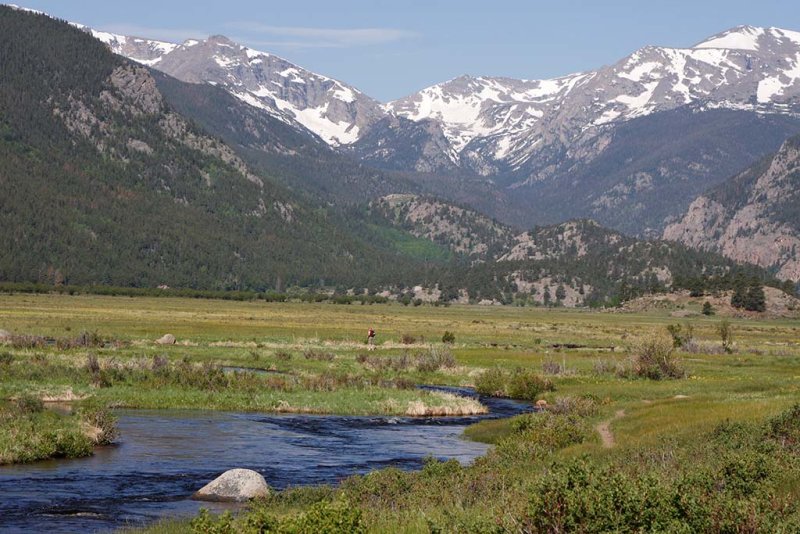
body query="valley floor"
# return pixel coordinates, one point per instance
(707, 452)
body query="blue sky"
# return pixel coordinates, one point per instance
(389, 49)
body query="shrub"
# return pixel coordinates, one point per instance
(85, 339)
(726, 335)
(329, 517)
(319, 355)
(785, 428)
(92, 364)
(27, 342)
(69, 444)
(407, 339)
(448, 337)
(681, 336)
(434, 359)
(527, 385)
(28, 404)
(654, 358)
(205, 523)
(102, 419)
(6, 358)
(551, 367)
(491, 382)
(283, 355)
(708, 309)
(583, 406)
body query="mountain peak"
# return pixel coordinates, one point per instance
(751, 38)
(222, 40)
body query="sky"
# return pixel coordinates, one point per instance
(389, 49)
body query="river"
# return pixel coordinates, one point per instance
(164, 456)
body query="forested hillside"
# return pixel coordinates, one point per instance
(112, 174)
(104, 182)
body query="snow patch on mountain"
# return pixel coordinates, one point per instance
(741, 38)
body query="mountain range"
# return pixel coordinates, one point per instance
(206, 164)
(630, 144)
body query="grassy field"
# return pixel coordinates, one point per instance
(602, 413)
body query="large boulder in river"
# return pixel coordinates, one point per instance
(236, 485)
(166, 339)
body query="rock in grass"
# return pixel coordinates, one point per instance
(4, 334)
(236, 485)
(166, 339)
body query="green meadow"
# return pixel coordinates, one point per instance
(713, 449)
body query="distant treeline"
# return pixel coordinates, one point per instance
(12, 287)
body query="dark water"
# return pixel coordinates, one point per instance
(164, 456)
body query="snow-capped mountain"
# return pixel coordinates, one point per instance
(629, 144)
(504, 123)
(334, 111)
(497, 124)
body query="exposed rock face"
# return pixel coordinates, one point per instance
(235, 485)
(753, 217)
(166, 339)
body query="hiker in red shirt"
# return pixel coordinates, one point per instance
(371, 338)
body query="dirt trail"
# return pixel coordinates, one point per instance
(604, 429)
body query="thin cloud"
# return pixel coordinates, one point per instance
(299, 36)
(174, 35)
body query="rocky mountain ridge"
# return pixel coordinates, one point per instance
(753, 217)
(642, 137)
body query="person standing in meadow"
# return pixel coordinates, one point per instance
(371, 338)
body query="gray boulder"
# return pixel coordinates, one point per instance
(235, 485)
(166, 339)
(4, 334)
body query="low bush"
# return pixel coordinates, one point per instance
(584, 406)
(654, 358)
(103, 420)
(433, 360)
(407, 339)
(283, 355)
(448, 337)
(491, 382)
(27, 404)
(26, 342)
(526, 385)
(551, 367)
(681, 335)
(334, 517)
(520, 384)
(312, 354)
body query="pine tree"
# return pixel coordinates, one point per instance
(755, 300)
(739, 297)
(708, 309)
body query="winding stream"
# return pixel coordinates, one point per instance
(164, 456)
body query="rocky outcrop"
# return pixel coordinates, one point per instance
(235, 485)
(166, 339)
(462, 230)
(752, 217)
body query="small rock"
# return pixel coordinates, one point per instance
(4, 334)
(166, 339)
(541, 403)
(235, 485)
